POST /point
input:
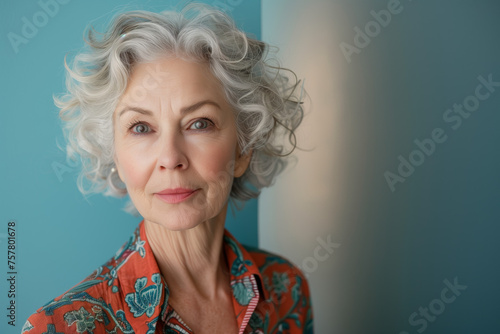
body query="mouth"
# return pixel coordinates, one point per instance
(177, 195)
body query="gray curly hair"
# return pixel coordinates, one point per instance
(264, 99)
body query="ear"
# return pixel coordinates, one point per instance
(117, 167)
(242, 162)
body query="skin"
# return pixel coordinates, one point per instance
(158, 146)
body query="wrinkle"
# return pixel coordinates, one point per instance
(191, 261)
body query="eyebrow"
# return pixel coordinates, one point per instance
(184, 110)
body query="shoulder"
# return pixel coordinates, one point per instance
(286, 290)
(93, 305)
(270, 263)
(79, 309)
(279, 274)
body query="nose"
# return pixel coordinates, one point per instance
(172, 155)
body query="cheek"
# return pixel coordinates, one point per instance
(216, 164)
(132, 167)
(216, 158)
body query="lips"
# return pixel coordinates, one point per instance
(177, 195)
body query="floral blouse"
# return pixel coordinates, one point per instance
(129, 295)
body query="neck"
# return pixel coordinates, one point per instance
(191, 261)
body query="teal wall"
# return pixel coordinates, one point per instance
(61, 236)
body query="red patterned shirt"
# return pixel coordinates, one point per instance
(129, 295)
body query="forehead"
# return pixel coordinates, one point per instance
(172, 78)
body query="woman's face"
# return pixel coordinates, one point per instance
(176, 144)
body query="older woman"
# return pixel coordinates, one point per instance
(181, 112)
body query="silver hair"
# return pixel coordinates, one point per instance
(266, 101)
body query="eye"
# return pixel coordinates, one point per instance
(139, 128)
(201, 124)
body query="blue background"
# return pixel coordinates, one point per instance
(61, 236)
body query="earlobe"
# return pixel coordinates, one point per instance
(116, 170)
(118, 174)
(242, 163)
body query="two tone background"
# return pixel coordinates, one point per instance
(393, 212)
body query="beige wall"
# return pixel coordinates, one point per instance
(297, 215)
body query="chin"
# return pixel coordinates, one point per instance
(176, 227)
(177, 219)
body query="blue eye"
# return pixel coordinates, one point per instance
(200, 124)
(140, 128)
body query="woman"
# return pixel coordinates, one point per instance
(181, 112)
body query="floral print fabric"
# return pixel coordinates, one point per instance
(129, 295)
